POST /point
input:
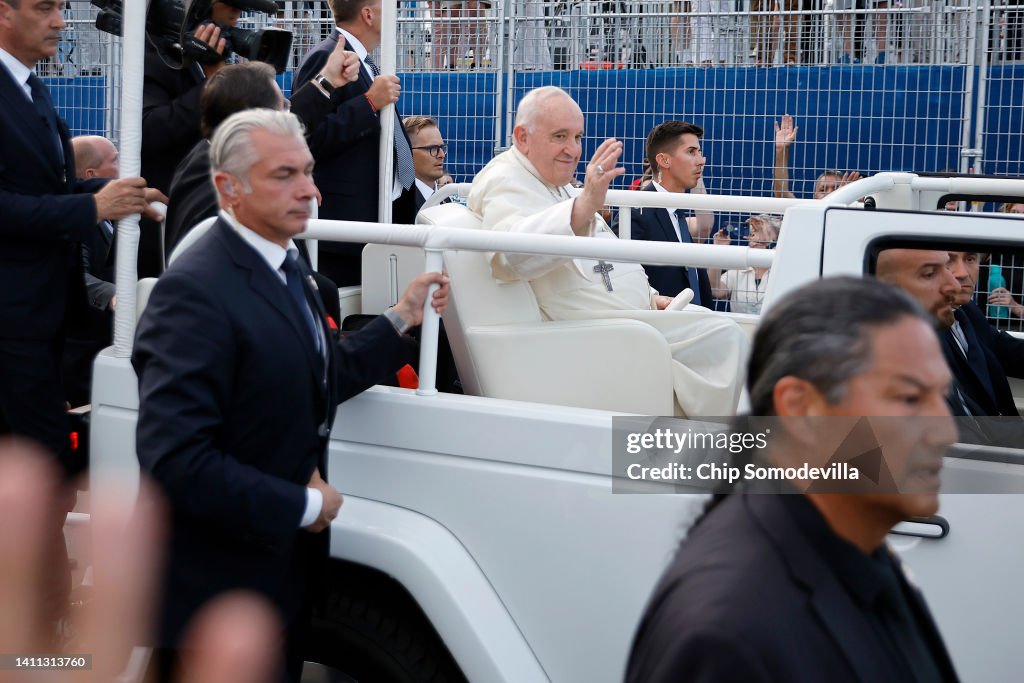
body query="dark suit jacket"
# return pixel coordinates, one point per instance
(992, 356)
(44, 213)
(191, 197)
(345, 145)
(748, 598)
(170, 117)
(170, 128)
(95, 330)
(233, 418)
(654, 225)
(98, 263)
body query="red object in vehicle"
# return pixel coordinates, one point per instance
(407, 378)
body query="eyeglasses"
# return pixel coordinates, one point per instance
(435, 150)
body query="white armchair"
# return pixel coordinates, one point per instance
(504, 348)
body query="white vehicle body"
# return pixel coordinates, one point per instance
(498, 516)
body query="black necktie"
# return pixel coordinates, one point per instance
(691, 273)
(404, 168)
(296, 289)
(41, 101)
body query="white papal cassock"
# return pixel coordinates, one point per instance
(709, 350)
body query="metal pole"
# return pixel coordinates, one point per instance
(510, 102)
(429, 330)
(131, 165)
(499, 71)
(965, 137)
(625, 223)
(979, 123)
(385, 176)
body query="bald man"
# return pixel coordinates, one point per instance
(973, 350)
(95, 157)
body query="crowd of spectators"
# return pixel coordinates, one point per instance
(646, 34)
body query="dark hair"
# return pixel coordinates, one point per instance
(819, 333)
(665, 137)
(824, 344)
(345, 11)
(234, 88)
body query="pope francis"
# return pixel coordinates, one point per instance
(525, 189)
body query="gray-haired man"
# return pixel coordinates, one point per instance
(239, 378)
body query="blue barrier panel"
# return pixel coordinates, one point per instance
(81, 102)
(866, 118)
(850, 117)
(1004, 128)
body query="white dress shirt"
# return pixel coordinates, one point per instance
(19, 72)
(672, 215)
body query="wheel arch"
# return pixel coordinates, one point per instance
(444, 582)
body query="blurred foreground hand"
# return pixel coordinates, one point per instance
(236, 638)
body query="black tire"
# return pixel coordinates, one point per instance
(377, 634)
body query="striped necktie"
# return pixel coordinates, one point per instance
(404, 168)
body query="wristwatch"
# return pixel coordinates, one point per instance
(323, 84)
(397, 321)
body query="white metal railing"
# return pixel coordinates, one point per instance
(434, 240)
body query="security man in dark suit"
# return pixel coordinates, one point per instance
(239, 379)
(980, 356)
(346, 144)
(170, 115)
(799, 584)
(673, 150)
(45, 212)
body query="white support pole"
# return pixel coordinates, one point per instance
(131, 165)
(385, 178)
(429, 331)
(625, 223)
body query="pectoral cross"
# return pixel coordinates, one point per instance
(603, 268)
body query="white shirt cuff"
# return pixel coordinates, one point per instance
(314, 503)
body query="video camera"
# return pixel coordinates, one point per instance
(170, 25)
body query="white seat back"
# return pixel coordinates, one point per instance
(481, 300)
(503, 347)
(190, 238)
(143, 288)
